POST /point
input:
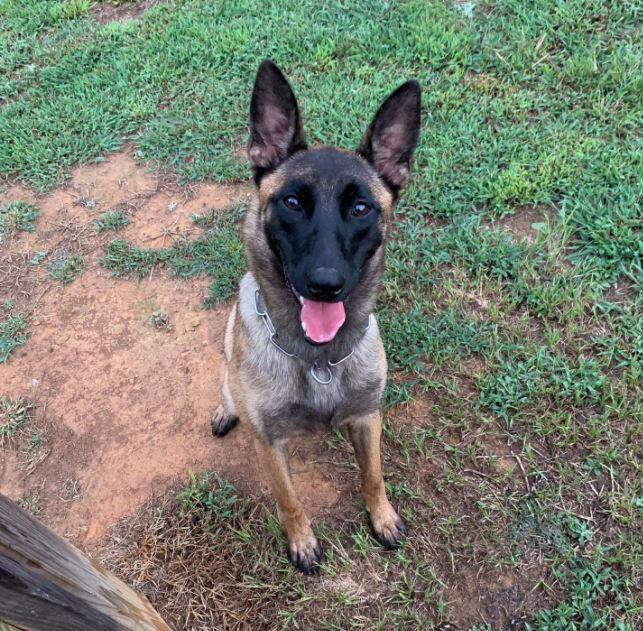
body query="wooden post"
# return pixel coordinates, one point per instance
(46, 584)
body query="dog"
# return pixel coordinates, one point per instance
(302, 345)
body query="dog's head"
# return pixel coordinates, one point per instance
(324, 210)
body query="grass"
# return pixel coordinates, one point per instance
(218, 253)
(111, 220)
(15, 216)
(14, 414)
(522, 355)
(13, 333)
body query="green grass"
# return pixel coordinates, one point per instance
(13, 333)
(534, 344)
(14, 414)
(111, 220)
(16, 216)
(218, 253)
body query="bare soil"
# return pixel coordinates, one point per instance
(105, 12)
(520, 224)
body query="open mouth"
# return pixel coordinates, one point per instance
(320, 321)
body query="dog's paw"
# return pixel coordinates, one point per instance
(222, 423)
(306, 554)
(388, 527)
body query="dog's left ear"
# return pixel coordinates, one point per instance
(275, 124)
(393, 135)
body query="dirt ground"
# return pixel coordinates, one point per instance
(122, 407)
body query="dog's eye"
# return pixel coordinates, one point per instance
(292, 202)
(360, 209)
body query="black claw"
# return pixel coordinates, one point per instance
(391, 542)
(310, 562)
(223, 426)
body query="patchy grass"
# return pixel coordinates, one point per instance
(218, 253)
(15, 216)
(523, 355)
(13, 333)
(204, 539)
(14, 414)
(65, 268)
(161, 321)
(111, 220)
(31, 502)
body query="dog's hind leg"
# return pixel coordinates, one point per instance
(365, 435)
(303, 548)
(225, 416)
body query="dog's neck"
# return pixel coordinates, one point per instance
(284, 309)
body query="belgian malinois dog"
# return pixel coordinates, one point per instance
(302, 346)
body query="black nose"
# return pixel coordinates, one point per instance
(325, 282)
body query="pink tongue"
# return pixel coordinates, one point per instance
(322, 319)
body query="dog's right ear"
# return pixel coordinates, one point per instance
(275, 124)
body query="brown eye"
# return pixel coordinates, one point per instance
(292, 202)
(360, 209)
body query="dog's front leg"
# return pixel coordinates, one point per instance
(303, 548)
(365, 435)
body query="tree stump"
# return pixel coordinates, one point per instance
(46, 584)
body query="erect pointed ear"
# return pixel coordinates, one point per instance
(393, 135)
(275, 125)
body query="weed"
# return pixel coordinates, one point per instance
(111, 220)
(209, 493)
(13, 333)
(64, 268)
(16, 216)
(70, 9)
(31, 502)
(71, 490)
(38, 257)
(161, 321)
(34, 443)
(14, 414)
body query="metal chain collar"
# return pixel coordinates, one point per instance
(315, 370)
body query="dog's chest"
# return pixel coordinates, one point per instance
(285, 397)
(305, 405)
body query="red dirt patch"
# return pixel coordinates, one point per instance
(520, 223)
(503, 598)
(106, 12)
(125, 406)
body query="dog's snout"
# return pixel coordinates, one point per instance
(325, 282)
